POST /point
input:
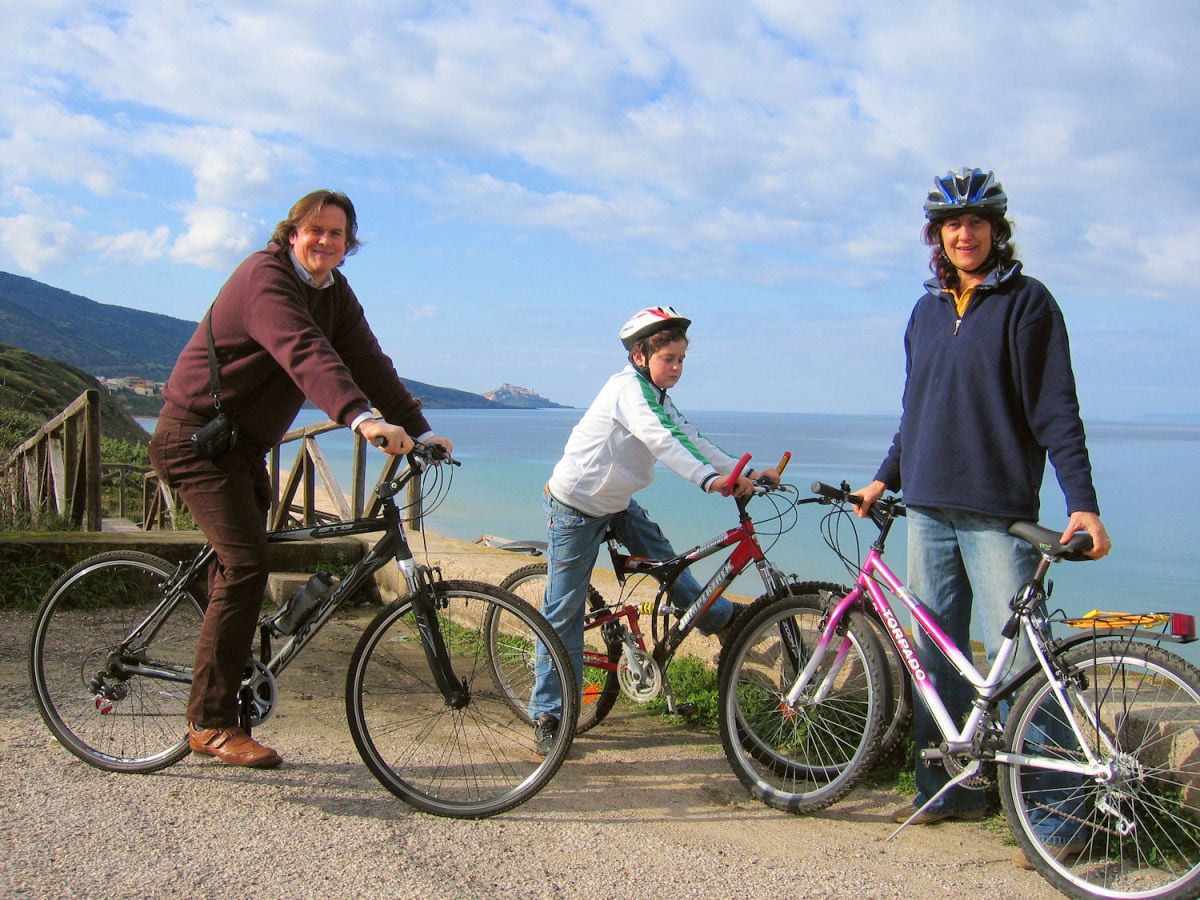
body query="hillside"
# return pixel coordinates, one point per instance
(95, 337)
(42, 388)
(116, 342)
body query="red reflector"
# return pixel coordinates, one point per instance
(1183, 625)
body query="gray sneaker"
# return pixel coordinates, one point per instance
(545, 729)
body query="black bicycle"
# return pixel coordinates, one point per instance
(114, 638)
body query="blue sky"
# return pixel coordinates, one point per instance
(528, 174)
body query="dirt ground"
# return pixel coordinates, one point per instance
(660, 797)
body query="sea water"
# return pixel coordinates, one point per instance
(1143, 473)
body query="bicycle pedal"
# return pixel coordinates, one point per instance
(686, 709)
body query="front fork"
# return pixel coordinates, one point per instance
(425, 605)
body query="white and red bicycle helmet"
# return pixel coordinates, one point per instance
(649, 321)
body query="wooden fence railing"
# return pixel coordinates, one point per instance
(311, 494)
(58, 469)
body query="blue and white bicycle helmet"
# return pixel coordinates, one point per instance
(966, 190)
(649, 321)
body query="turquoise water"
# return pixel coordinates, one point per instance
(1143, 473)
(1139, 470)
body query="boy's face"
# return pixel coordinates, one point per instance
(666, 364)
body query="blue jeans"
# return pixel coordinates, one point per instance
(962, 564)
(574, 538)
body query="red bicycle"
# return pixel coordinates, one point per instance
(617, 656)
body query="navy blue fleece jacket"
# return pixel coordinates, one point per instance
(986, 398)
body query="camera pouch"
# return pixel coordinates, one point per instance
(217, 437)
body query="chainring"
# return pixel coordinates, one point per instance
(258, 695)
(641, 689)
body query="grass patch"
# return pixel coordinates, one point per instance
(27, 584)
(693, 682)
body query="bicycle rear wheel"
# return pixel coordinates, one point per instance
(469, 762)
(110, 662)
(600, 686)
(1136, 831)
(802, 759)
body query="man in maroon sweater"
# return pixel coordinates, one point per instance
(285, 326)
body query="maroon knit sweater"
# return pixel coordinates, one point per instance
(278, 341)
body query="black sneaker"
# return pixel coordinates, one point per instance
(545, 728)
(726, 632)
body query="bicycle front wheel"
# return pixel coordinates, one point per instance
(898, 708)
(1135, 830)
(601, 686)
(463, 760)
(110, 662)
(805, 757)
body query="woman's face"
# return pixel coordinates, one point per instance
(967, 241)
(319, 242)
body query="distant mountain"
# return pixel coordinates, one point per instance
(521, 398)
(114, 341)
(95, 337)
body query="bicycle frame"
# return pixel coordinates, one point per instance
(746, 551)
(392, 545)
(874, 576)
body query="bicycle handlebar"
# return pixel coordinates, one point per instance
(435, 453)
(829, 492)
(842, 495)
(426, 452)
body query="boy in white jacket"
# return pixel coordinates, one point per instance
(611, 454)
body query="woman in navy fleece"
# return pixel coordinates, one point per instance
(989, 395)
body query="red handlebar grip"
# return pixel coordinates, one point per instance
(727, 486)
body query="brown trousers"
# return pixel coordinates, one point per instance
(229, 497)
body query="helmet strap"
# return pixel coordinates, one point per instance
(987, 264)
(644, 370)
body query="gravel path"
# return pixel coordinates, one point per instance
(642, 807)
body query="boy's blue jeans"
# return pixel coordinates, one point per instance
(962, 564)
(573, 541)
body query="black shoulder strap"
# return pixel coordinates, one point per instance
(214, 373)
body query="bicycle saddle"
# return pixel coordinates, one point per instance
(1046, 540)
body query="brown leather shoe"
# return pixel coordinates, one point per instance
(232, 745)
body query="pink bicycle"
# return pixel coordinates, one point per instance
(1098, 759)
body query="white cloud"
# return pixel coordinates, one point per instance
(35, 243)
(135, 247)
(215, 238)
(229, 166)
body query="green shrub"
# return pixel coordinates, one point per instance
(693, 682)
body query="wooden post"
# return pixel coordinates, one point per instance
(91, 459)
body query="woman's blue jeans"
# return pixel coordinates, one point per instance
(963, 564)
(574, 538)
